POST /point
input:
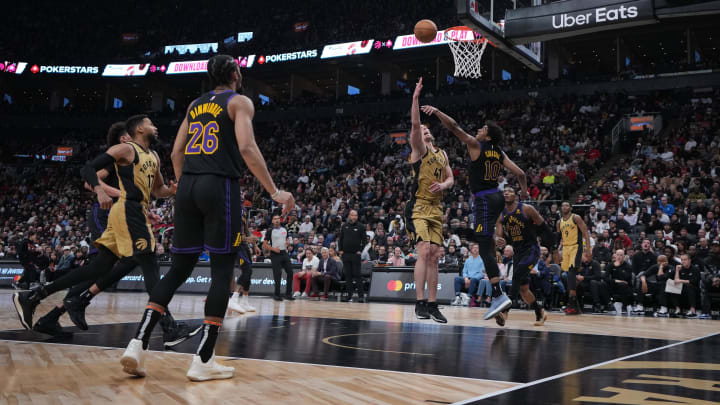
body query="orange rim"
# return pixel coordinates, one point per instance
(464, 28)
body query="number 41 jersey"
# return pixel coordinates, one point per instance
(211, 146)
(485, 170)
(426, 171)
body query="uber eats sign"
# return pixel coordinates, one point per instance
(575, 17)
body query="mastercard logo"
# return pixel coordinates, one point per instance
(394, 285)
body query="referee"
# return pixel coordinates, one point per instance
(350, 243)
(276, 243)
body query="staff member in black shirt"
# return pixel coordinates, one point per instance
(619, 276)
(276, 243)
(351, 241)
(687, 274)
(589, 277)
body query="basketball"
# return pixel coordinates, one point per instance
(425, 31)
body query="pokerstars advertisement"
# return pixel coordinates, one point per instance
(347, 49)
(287, 57)
(126, 70)
(60, 69)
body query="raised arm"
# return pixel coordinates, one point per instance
(519, 173)
(242, 109)
(416, 142)
(452, 125)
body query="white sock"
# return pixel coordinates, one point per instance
(663, 309)
(235, 295)
(244, 299)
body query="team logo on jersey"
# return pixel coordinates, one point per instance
(141, 244)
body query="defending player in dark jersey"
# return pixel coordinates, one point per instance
(213, 138)
(486, 162)
(424, 212)
(128, 232)
(518, 224)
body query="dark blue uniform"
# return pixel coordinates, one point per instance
(520, 233)
(208, 204)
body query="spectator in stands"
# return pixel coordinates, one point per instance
(309, 268)
(397, 258)
(643, 259)
(619, 278)
(623, 241)
(474, 281)
(306, 227)
(65, 263)
(327, 273)
(601, 252)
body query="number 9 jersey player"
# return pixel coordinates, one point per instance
(487, 161)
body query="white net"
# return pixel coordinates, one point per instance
(467, 56)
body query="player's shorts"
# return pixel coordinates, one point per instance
(571, 256)
(128, 231)
(524, 260)
(423, 221)
(244, 256)
(208, 215)
(488, 206)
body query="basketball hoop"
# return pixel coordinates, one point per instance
(467, 49)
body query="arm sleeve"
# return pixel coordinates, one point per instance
(89, 171)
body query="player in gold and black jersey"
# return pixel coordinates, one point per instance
(518, 225)
(575, 245)
(423, 213)
(128, 232)
(486, 163)
(214, 137)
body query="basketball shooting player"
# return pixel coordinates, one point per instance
(423, 213)
(487, 160)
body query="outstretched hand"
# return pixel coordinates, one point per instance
(428, 109)
(418, 88)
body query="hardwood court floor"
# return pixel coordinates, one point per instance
(45, 373)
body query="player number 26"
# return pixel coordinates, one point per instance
(203, 138)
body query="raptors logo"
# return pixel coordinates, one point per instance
(141, 244)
